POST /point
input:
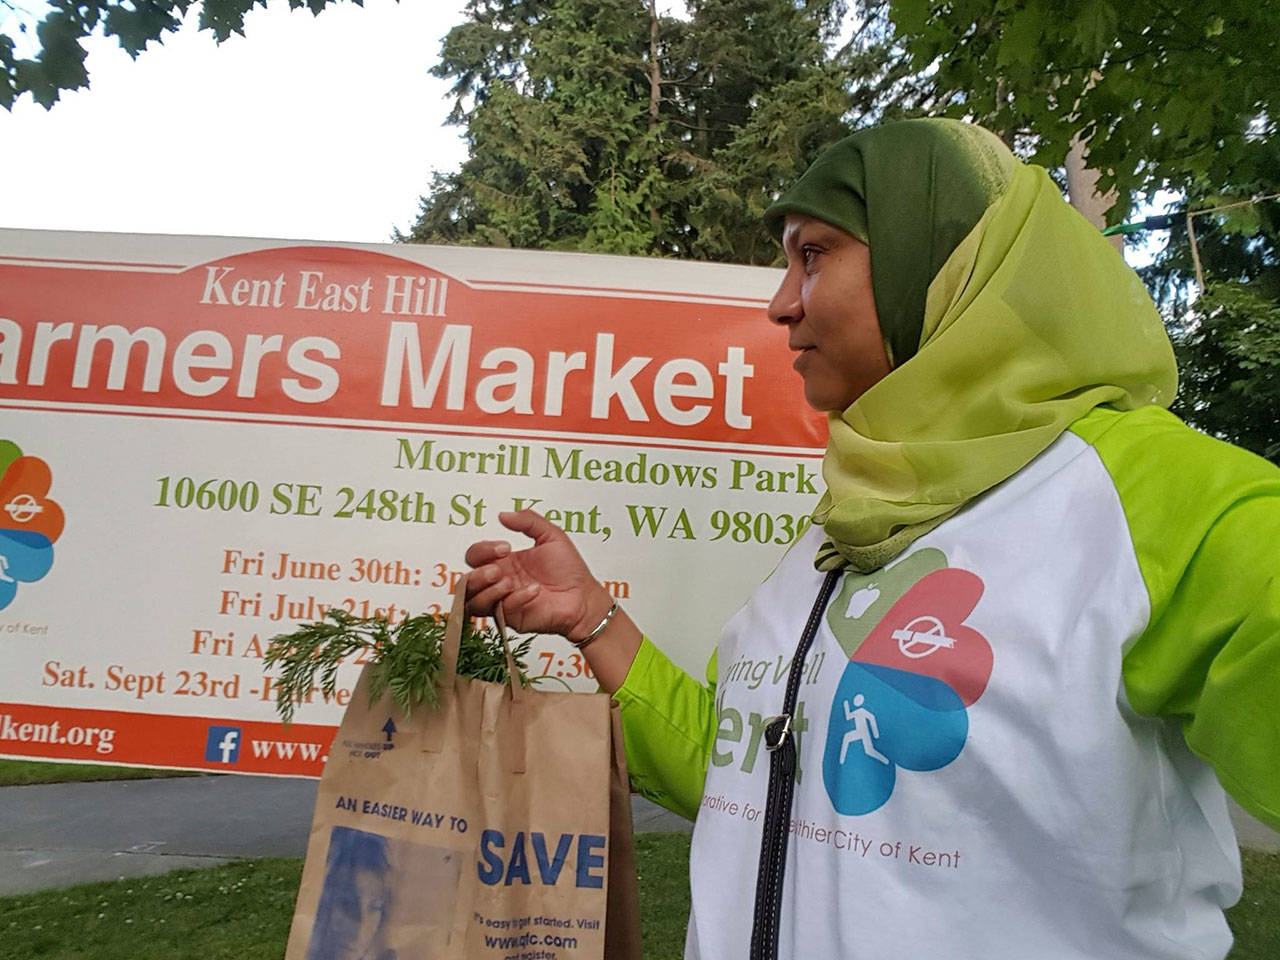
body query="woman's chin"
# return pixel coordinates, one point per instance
(822, 402)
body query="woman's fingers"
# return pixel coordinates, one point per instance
(483, 595)
(501, 575)
(532, 524)
(529, 582)
(485, 601)
(486, 551)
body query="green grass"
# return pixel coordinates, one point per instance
(662, 864)
(241, 912)
(21, 773)
(1255, 920)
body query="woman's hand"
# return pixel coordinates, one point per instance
(545, 588)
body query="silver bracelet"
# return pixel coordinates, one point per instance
(579, 644)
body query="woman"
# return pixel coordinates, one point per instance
(356, 900)
(1054, 610)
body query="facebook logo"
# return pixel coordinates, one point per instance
(223, 745)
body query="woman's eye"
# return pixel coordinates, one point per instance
(808, 254)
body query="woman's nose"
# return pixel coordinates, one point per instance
(785, 306)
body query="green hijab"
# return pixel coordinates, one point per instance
(1006, 315)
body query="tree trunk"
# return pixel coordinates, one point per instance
(1082, 190)
(655, 96)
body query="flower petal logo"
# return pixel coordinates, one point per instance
(29, 521)
(902, 699)
(864, 599)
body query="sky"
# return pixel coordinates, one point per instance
(307, 128)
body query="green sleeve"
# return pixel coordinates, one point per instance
(1205, 521)
(668, 724)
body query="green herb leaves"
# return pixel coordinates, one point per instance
(404, 660)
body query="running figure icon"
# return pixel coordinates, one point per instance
(865, 730)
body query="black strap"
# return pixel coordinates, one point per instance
(781, 746)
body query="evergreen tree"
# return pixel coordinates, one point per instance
(599, 125)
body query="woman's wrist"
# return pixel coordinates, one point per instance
(612, 653)
(598, 629)
(598, 612)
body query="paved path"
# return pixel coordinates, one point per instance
(67, 833)
(1253, 834)
(62, 834)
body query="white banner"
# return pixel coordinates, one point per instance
(204, 441)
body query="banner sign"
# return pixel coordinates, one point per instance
(204, 441)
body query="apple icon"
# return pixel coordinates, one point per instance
(862, 600)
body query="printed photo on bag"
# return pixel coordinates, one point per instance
(375, 889)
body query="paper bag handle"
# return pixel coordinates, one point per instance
(516, 708)
(453, 634)
(433, 737)
(453, 642)
(513, 676)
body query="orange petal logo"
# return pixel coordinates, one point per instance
(29, 521)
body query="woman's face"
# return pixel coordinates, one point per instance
(826, 303)
(373, 896)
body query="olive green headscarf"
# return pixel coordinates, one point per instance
(1007, 317)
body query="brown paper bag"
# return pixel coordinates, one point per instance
(496, 825)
